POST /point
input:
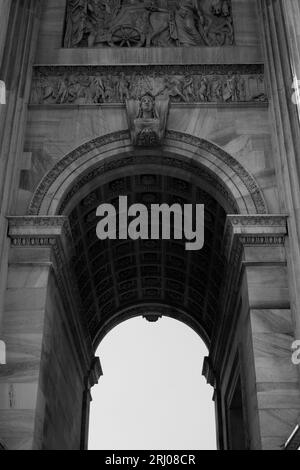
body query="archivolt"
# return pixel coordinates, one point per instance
(223, 176)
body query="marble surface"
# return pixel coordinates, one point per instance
(42, 385)
(241, 131)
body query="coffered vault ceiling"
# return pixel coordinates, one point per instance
(115, 275)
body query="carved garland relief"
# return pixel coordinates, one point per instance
(148, 23)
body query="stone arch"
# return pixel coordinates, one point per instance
(232, 183)
(227, 292)
(198, 162)
(76, 177)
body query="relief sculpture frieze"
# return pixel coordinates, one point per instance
(148, 23)
(181, 84)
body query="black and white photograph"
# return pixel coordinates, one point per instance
(150, 228)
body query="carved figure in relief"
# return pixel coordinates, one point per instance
(188, 88)
(232, 90)
(98, 89)
(242, 88)
(109, 90)
(148, 23)
(147, 119)
(162, 25)
(173, 87)
(74, 89)
(188, 20)
(220, 31)
(218, 90)
(62, 94)
(203, 89)
(147, 108)
(123, 88)
(75, 22)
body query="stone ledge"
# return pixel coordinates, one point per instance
(152, 56)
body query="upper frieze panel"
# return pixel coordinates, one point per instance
(146, 23)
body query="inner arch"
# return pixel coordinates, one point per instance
(123, 278)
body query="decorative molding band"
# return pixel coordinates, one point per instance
(257, 229)
(258, 220)
(106, 166)
(95, 85)
(36, 230)
(173, 162)
(262, 241)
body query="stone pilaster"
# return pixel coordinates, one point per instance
(4, 15)
(19, 23)
(291, 10)
(280, 29)
(268, 331)
(48, 351)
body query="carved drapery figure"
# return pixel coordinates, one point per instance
(75, 22)
(188, 22)
(147, 120)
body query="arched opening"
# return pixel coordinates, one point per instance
(152, 394)
(223, 292)
(120, 279)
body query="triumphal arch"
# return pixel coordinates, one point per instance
(175, 102)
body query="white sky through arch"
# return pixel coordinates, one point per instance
(152, 394)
